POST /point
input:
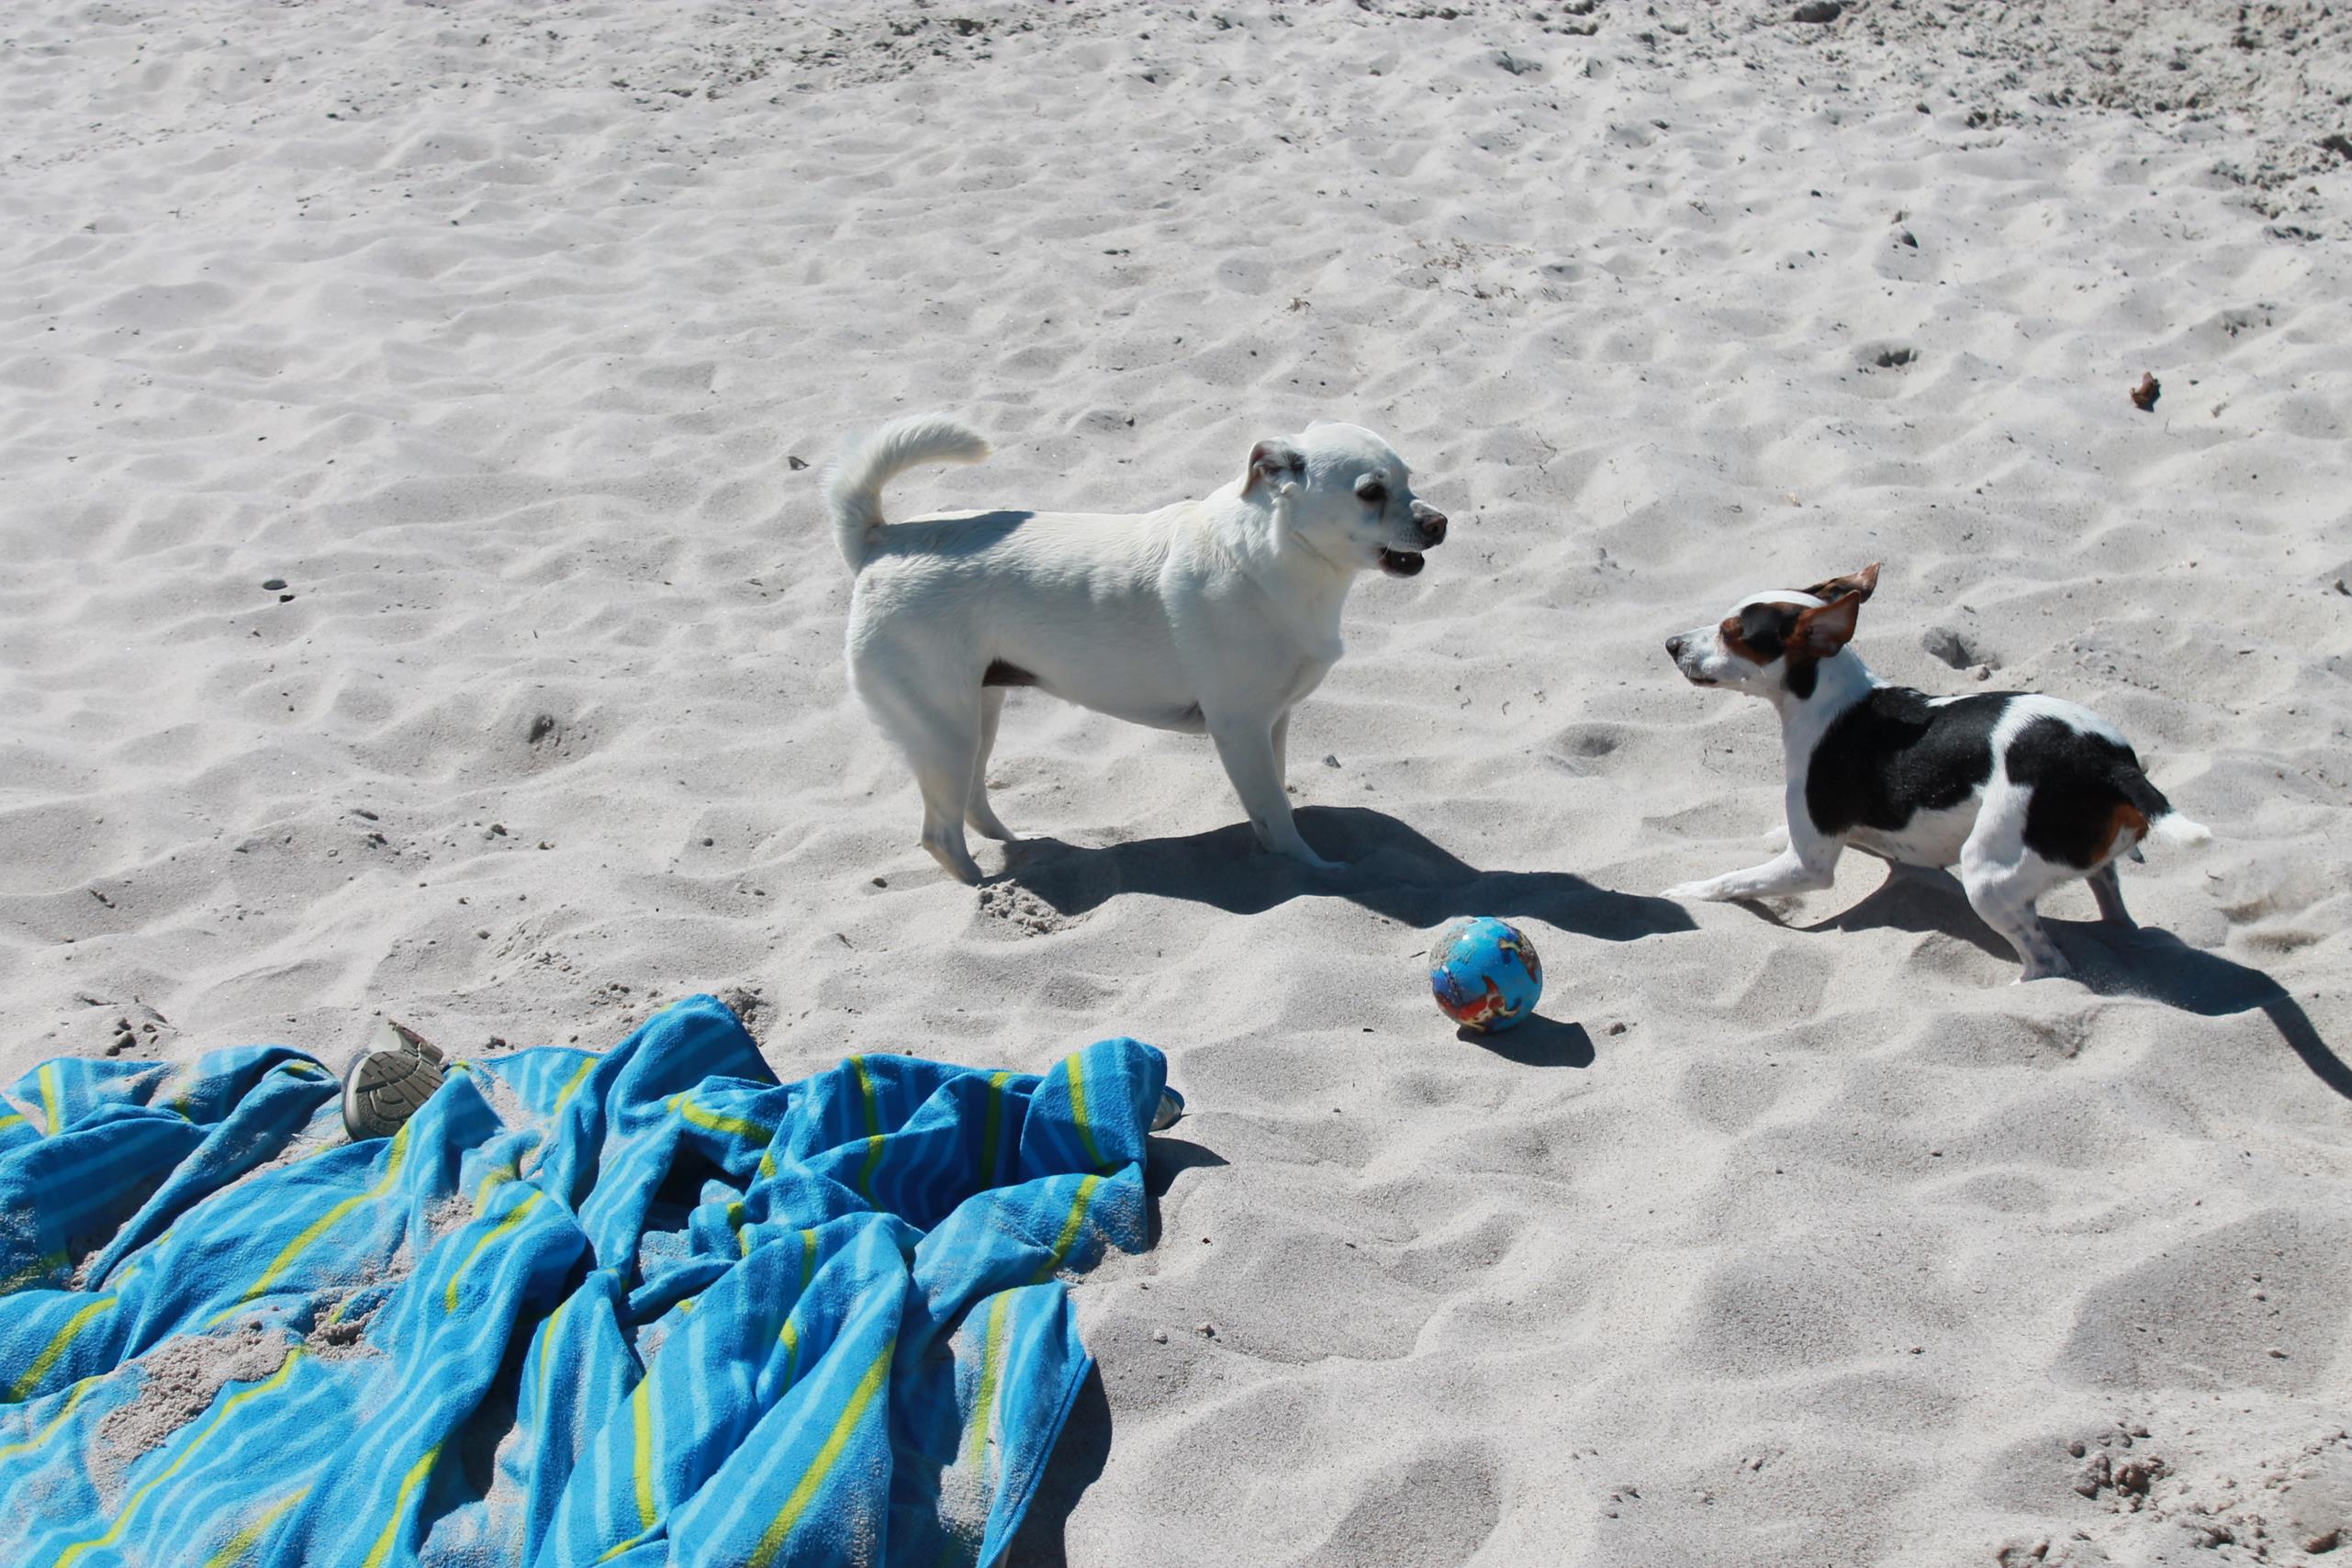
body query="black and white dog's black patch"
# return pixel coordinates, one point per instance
(1899, 754)
(2018, 791)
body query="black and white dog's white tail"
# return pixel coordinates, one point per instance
(2163, 824)
(853, 487)
(2173, 828)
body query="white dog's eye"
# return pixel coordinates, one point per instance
(1372, 492)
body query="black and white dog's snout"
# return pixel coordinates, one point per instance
(1430, 521)
(1675, 648)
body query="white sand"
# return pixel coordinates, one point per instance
(490, 330)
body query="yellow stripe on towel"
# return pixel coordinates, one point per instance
(734, 1126)
(984, 1399)
(409, 1484)
(245, 1539)
(1078, 1111)
(514, 1217)
(228, 1408)
(1070, 1228)
(64, 1413)
(779, 1529)
(564, 1098)
(56, 1347)
(318, 1228)
(641, 1421)
(872, 1105)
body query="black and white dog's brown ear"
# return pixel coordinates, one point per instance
(1821, 632)
(1863, 583)
(1273, 460)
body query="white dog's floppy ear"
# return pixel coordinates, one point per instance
(1823, 631)
(1275, 459)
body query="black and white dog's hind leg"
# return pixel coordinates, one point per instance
(2004, 877)
(2002, 892)
(2107, 889)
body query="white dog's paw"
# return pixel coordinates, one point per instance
(1301, 852)
(1703, 892)
(956, 861)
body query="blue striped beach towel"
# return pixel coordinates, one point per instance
(647, 1307)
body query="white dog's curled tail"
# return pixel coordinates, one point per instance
(854, 485)
(2173, 828)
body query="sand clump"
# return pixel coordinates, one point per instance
(178, 1382)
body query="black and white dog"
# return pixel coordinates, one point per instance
(2019, 793)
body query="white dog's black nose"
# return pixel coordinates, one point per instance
(1675, 648)
(1430, 521)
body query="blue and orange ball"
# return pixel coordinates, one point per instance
(1484, 972)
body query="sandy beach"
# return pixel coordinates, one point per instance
(416, 597)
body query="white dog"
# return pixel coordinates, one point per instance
(1214, 615)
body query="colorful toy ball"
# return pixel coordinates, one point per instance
(1484, 972)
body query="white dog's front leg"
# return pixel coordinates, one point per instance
(1247, 749)
(1789, 872)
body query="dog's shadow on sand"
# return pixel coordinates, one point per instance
(1391, 869)
(2145, 962)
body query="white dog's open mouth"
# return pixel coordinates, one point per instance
(1400, 562)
